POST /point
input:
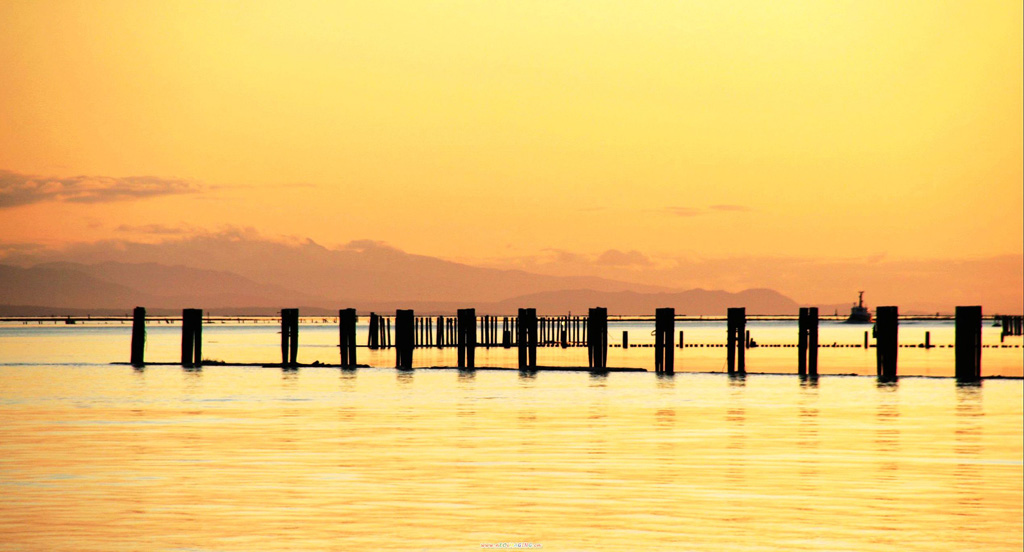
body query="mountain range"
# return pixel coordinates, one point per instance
(263, 277)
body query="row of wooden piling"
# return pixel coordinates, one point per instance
(1012, 325)
(525, 330)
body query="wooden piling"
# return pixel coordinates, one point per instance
(807, 343)
(405, 338)
(680, 339)
(865, 339)
(138, 355)
(886, 342)
(347, 321)
(526, 338)
(625, 339)
(736, 321)
(968, 343)
(374, 331)
(927, 340)
(801, 342)
(812, 342)
(597, 344)
(467, 338)
(191, 337)
(664, 351)
(289, 336)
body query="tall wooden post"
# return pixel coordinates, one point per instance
(138, 357)
(664, 350)
(801, 343)
(289, 337)
(191, 337)
(597, 343)
(812, 342)
(807, 344)
(187, 337)
(526, 338)
(374, 331)
(347, 320)
(405, 338)
(467, 338)
(736, 322)
(968, 343)
(886, 342)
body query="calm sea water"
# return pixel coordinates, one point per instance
(96, 456)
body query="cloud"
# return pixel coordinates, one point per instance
(368, 245)
(614, 257)
(733, 208)
(685, 211)
(22, 189)
(697, 211)
(158, 229)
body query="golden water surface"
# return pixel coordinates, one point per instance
(101, 457)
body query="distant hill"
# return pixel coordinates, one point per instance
(692, 302)
(110, 287)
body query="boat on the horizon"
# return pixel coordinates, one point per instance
(859, 314)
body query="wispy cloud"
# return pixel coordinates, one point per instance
(685, 211)
(697, 211)
(733, 208)
(614, 257)
(23, 189)
(159, 229)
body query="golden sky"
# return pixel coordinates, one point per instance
(478, 131)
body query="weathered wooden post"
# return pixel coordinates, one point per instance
(387, 332)
(347, 320)
(865, 340)
(138, 357)
(812, 342)
(372, 340)
(968, 343)
(405, 338)
(467, 337)
(680, 338)
(736, 322)
(664, 350)
(886, 342)
(526, 339)
(801, 342)
(807, 344)
(289, 336)
(625, 339)
(191, 337)
(927, 340)
(597, 344)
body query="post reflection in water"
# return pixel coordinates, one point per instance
(371, 459)
(968, 449)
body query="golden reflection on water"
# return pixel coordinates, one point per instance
(224, 458)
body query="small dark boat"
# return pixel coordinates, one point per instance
(859, 314)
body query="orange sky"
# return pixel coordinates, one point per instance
(482, 131)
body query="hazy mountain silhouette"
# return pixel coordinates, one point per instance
(363, 270)
(691, 302)
(116, 287)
